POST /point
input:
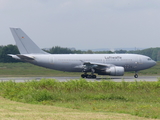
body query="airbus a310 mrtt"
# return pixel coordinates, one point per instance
(102, 64)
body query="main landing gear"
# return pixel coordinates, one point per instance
(85, 75)
(136, 74)
(88, 76)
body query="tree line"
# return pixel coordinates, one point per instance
(154, 53)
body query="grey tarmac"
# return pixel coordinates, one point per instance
(62, 79)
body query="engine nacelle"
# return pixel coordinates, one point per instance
(114, 71)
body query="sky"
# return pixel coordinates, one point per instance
(83, 24)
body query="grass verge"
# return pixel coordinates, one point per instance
(10, 110)
(134, 98)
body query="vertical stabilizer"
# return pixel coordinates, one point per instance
(24, 43)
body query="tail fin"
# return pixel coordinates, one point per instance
(24, 43)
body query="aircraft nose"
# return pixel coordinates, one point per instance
(151, 63)
(154, 63)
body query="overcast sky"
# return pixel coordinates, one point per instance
(83, 24)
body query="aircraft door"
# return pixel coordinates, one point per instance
(140, 60)
(136, 61)
(52, 60)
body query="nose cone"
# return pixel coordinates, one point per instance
(149, 64)
(154, 63)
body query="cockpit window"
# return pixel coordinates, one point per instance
(149, 59)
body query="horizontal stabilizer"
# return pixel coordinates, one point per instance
(14, 56)
(24, 57)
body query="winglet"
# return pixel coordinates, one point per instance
(24, 43)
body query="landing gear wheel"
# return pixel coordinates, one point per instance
(94, 76)
(136, 75)
(88, 76)
(91, 76)
(84, 75)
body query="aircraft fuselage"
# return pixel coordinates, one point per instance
(74, 62)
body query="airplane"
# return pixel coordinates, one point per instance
(101, 64)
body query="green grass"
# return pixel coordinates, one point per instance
(27, 69)
(135, 98)
(11, 110)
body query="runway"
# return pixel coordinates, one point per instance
(62, 79)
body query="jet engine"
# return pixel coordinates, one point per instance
(114, 71)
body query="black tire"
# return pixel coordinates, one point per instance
(88, 76)
(83, 76)
(136, 76)
(94, 76)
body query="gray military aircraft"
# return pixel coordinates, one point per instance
(102, 64)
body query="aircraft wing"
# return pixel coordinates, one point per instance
(96, 65)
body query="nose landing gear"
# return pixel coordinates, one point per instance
(136, 74)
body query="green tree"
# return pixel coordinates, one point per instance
(158, 56)
(9, 49)
(60, 50)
